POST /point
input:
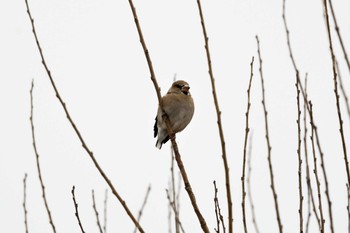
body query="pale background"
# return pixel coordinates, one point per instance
(93, 51)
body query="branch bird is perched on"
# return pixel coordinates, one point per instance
(178, 105)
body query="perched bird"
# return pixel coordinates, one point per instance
(178, 105)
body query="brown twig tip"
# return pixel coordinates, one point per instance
(219, 122)
(37, 159)
(245, 147)
(274, 193)
(76, 130)
(76, 210)
(25, 202)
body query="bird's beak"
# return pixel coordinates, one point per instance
(185, 88)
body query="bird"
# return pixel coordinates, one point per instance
(179, 107)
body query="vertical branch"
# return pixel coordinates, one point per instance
(69, 118)
(308, 180)
(24, 202)
(338, 34)
(280, 227)
(316, 173)
(299, 161)
(169, 129)
(37, 160)
(76, 210)
(245, 146)
(173, 199)
(218, 115)
(143, 205)
(105, 212)
(348, 207)
(336, 93)
(249, 188)
(96, 212)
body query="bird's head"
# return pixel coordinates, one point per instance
(180, 86)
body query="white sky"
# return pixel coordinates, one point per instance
(93, 51)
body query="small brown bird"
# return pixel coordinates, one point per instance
(178, 105)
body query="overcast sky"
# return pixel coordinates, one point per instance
(92, 49)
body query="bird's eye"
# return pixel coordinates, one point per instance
(179, 86)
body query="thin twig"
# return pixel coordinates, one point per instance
(280, 226)
(336, 95)
(249, 188)
(218, 211)
(172, 205)
(245, 147)
(173, 198)
(24, 202)
(308, 180)
(339, 36)
(299, 161)
(143, 205)
(316, 173)
(84, 145)
(169, 129)
(105, 212)
(345, 96)
(76, 210)
(348, 207)
(218, 115)
(37, 160)
(96, 212)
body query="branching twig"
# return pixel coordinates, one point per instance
(308, 180)
(280, 227)
(96, 212)
(37, 160)
(84, 145)
(218, 115)
(24, 202)
(76, 210)
(316, 173)
(245, 147)
(249, 188)
(143, 205)
(169, 129)
(173, 199)
(219, 217)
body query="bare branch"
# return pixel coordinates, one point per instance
(218, 115)
(245, 147)
(37, 159)
(24, 202)
(249, 188)
(76, 210)
(218, 211)
(280, 227)
(105, 212)
(96, 212)
(316, 173)
(84, 145)
(169, 129)
(172, 205)
(143, 205)
(343, 90)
